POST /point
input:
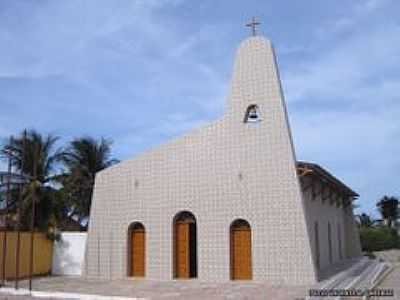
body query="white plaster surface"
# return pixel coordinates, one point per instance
(223, 171)
(68, 254)
(324, 210)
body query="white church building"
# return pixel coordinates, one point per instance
(226, 201)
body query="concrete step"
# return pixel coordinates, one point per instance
(361, 275)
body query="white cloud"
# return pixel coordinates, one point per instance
(359, 147)
(122, 61)
(361, 12)
(59, 37)
(370, 6)
(345, 104)
(350, 71)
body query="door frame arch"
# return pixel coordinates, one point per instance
(188, 217)
(136, 225)
(236, 223)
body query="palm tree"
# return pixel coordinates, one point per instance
(389, 209)
(83, 159)
(365, 221)
(35, 156)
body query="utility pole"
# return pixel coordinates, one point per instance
(34, 186)
(20, 199)
(8, 195)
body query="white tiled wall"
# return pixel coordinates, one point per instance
(221, 172)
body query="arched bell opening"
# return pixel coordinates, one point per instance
(252, 114)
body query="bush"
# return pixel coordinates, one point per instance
(379, 238)
(370, 255)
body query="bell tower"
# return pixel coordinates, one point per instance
(256, 115)
(255, 84)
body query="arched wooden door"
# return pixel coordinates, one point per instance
(137, 250)
(240, 239)
(185, 245)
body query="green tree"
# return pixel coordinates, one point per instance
(365, 221)
(35, 156)
(389, 209)
(379, 238)
(83, 158)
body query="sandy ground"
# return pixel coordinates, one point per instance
(192, 289)
(392, 280)
(156, 290)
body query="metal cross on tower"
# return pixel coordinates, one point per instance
(253, 25)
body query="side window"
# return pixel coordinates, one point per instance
(317, 250)
(252, 114)
(330, 243)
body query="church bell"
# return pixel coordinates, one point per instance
(253, 113)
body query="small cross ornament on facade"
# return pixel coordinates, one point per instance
(253, 25)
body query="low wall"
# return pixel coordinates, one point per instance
(42, 254)
(68, 253)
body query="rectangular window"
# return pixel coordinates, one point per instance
(330, 243)
(317, 254)
(339, 241)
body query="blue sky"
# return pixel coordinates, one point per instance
(142, 72)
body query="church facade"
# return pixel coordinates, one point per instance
(226, 201)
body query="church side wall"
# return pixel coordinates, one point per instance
(341, 220)
(354, 246)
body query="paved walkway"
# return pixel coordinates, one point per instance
(392, 281)
(179, 290)
(157, 290)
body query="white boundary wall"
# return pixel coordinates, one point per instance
(69, 253)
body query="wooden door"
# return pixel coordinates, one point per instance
(182, 250)
(241, 252)
(138, 240)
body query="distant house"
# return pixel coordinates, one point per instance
(13, 180)
(68, 224)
